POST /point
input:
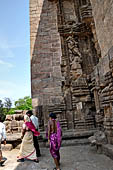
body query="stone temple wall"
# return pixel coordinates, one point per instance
(103, 16)
(72, 62)
(45, 53)
(45, 56)
(102, 77)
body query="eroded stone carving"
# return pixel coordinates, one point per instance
(75, 57)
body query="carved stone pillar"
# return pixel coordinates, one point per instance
(108, 122)
(99, 114)
(108, 109)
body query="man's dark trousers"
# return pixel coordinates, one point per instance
(36, 145)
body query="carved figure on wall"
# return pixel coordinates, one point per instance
(73, 46)
(74, 56)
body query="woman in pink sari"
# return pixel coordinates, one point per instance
(54, 139)
(27, 149)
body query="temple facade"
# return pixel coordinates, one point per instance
(72, 63)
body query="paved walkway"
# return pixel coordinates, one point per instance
(72, 158)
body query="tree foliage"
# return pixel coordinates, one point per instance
(23, 103)
(7, 104)
(1, 106)
(2, 110)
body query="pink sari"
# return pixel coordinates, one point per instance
(31, 126)
(55, 142)
(27, 149)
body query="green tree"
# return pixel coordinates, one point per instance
(23, 103)
(7, 104)
(11, 111)
(2, 114)
(1, 106)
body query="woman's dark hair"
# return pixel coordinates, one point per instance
(52, 115)
(29, 112)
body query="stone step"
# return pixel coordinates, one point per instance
(70, 138)
(71, 142)
(108, 150)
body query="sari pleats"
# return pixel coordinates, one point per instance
(27, 149)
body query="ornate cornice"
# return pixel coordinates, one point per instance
(86, 13)
(76, 29)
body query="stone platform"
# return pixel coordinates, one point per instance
(73, 138)
(72, 158)
(70, 137)
(13, 140)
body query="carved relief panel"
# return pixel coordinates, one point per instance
(79, 55)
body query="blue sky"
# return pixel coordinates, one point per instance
(14, 49)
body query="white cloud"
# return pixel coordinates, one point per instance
(12, 90)
(6, 64)
(5, 55)
(5, 51)
(6, 90)
(6, 48)
(13, 45)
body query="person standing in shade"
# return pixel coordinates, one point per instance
(34, 120)
(2, 137)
